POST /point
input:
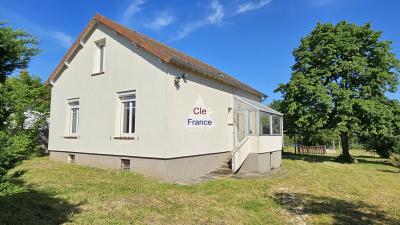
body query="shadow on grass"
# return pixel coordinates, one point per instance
(366, 157)
(18, 173)
(328, 158)
(390, 171)
(31, 206)
(342, 212)
(377, 162)
(308, 157)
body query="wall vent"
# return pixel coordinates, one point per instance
(71, 158)
(125, 164)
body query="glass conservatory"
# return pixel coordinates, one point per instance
(255, 119)
(258, 129)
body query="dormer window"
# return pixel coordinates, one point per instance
(100, 56)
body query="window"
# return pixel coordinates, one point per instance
(100, 56)
(240, 126)
(230, 116)
(276, 125)
(265, 123)
(252, 122)
(128, 106)
(125, 164)
(73, 117)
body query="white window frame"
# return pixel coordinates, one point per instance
(123, 98)
(100, 58)
(73, 104)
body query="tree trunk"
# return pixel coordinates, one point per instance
(344, 137)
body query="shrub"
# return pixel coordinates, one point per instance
(395, 159)
(384, 146)
(13, 149)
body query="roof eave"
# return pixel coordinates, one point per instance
(169, 59)
(213, 75)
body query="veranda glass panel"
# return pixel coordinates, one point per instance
(265, 123)
(276, 125)
(240, 123)
(252, 122)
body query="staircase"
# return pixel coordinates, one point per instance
(224, 170)
(241, 151)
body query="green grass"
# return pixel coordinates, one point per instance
(309, 189)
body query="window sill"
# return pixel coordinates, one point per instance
(270, 135)
(98, 73)
(70, 137)
(124, 138)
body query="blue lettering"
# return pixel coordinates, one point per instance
(192, 122)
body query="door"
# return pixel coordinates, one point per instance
(240, 125)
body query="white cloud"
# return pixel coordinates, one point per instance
(250, 6)
(163, 19)
(134, 7)
(218, 12)
(65, 40)
(38, 30)
(213, 18)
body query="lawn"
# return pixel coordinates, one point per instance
(306, 190)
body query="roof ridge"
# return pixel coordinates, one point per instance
(160, 50)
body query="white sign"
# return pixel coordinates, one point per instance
(200, 115)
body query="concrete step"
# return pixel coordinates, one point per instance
(225, 166)
(223, 170)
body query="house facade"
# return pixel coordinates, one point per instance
(121, 100)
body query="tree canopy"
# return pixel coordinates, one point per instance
(27, 102)
(24, 102)
(339, 80)
(17, 47)
(384, 135)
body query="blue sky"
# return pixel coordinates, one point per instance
(252, 40)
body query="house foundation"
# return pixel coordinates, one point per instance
(262, 162)
(165, 169)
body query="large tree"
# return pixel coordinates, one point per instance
(17, 47)
(339, 79)
(23, 100)
(26, 103)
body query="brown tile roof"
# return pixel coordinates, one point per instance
(165, 53)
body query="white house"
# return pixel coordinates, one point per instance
(121, 100)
